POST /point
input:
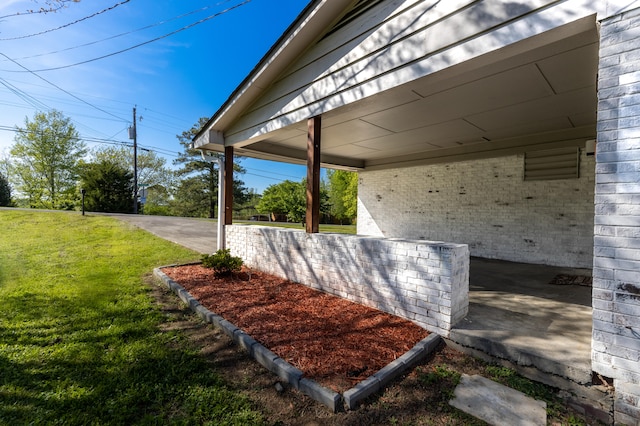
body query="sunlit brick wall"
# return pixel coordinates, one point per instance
(425, 282)
(616, 284)
(487, 205)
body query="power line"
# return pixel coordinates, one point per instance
(40, 105)
(208, 18)
(84, 95)
(78, 138)
(36, 103)
(148, 148)
(265, 177)
(167, 115)
(274, 173)
(43, 106)
(23, 95)
(68, 24)
(61, 89)
(121, 34)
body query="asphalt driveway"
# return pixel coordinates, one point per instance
(200, 235)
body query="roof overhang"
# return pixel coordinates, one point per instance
(535, 93)
(302, 33)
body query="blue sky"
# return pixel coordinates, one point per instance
(172, 81)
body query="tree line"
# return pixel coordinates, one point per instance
(50, 167)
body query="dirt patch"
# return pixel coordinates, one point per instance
(420, 397)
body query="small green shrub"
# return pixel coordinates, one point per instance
(222, 262)
(156, 210)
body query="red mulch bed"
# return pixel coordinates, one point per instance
(333, 341)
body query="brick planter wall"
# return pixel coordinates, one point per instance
(425, 282)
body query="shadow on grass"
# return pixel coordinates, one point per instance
(64, 363)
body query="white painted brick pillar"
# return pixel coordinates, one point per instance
(616, 269)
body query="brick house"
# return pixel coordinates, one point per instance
(507, 130)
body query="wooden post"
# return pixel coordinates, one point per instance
(228, 182)
(312, 222)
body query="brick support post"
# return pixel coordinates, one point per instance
(616, 268)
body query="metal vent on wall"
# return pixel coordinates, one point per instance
(561, 163)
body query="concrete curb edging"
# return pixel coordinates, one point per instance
(387, 374)
(294, 376)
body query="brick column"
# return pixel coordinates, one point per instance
(616, 267)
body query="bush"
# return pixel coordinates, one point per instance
(156, 210)
(222, 262)
(5, 191)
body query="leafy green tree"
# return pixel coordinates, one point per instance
(248, 208)
(5, 191)
(350, 197)
(158, 201)
(5, 165)
(337, 186)
(46, 155)
(108, 186)
(152, 168)
(197, 191)
(190, 199)
(290, 198)
(343, 194)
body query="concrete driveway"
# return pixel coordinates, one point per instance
(200, 235)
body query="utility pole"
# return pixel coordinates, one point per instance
(133, 134)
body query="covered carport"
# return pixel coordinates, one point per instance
(506, 90)
(469, 122)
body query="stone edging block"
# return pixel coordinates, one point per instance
(387, 374)
(325, 396)
(294, 376)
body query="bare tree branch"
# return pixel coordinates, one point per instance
(49, 6)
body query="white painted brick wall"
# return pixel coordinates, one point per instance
(616, 287)
(425, 282)
(487, 205)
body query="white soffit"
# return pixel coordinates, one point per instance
(540, 85)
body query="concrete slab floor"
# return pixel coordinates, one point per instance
(497, 404)
(515, 314)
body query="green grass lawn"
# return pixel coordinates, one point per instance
(79, 336)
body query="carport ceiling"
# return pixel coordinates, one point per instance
(515, 97)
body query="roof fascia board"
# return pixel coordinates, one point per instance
(312, 22)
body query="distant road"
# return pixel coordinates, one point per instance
(200, 235)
